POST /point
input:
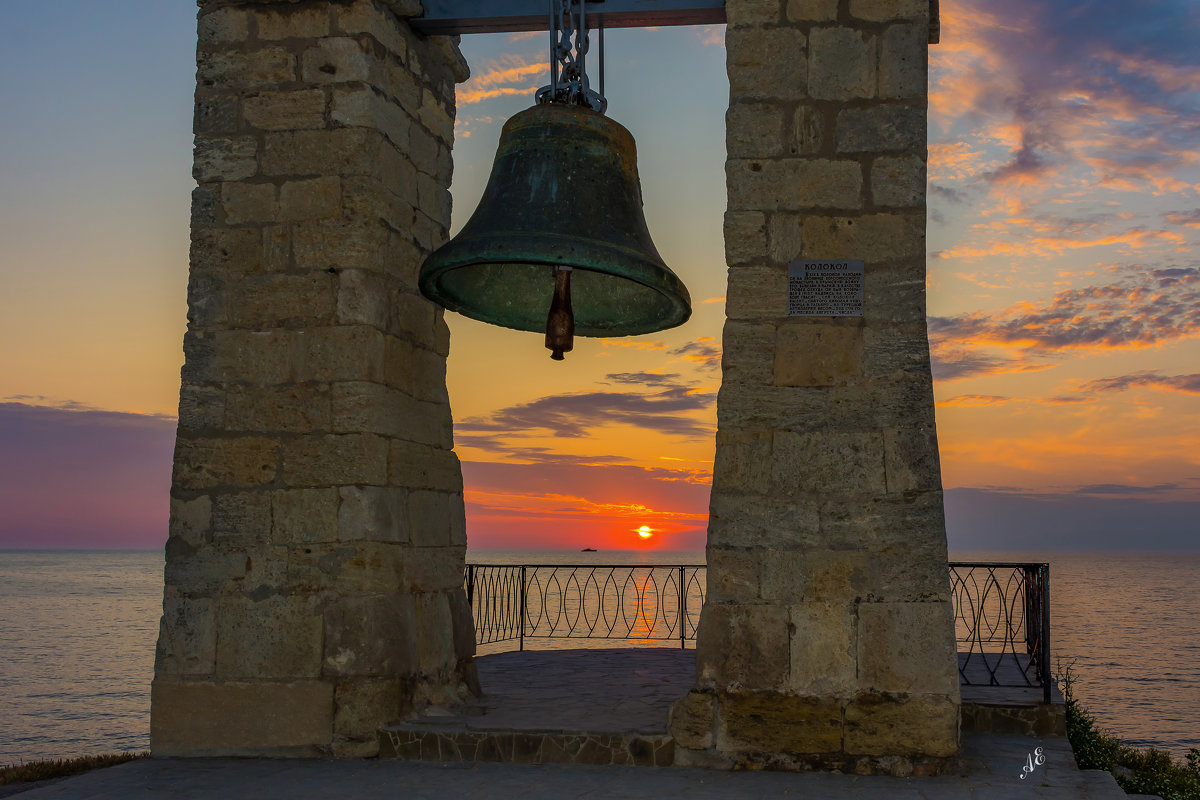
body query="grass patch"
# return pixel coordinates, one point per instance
(61, 767)
(1137, 770)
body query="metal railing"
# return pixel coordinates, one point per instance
(1002, 617)
(1001, 611)
(653, 602)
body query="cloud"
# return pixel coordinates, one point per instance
(74, 476)
(975, 401)
(1186, 384)
(1126, 489)
(956, 363)
(704, 351)
(1188, 219)
(511, 74)
(1145, 308)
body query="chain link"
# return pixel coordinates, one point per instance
(569, 44)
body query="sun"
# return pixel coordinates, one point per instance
(645, 531)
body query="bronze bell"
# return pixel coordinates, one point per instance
(559, 242)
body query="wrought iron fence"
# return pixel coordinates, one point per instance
(1002, 618)
(656, 602)
(1001, 610)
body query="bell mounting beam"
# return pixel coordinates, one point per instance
(445, 17)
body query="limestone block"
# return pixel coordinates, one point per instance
(248, 202)
(316, 198)
(812, 10)
(337, 59)
(767, 407)
(342, 151)
(245, 69)
(897, 402)
(881, 129)
(356, 568)
(281, 300)
(836, 462)
(817, 355)
(753, 12)
(215, 113)
(241, 519)
(363, 298)
(841, 64)
(765, 63)
(378, 513)
(257, 358)
(375, 408)
(911, 568)
(370, 636)
(872, 237)
(883, 725)
(745, 236)
(341, 244)
(433, 569)
(193, 572)
(733, 574)
(763, 722)
(304, 515)
(284, 111)
(187, 641)
(691, 721)
(754, 130)
(200, 407)
(324, 459)
(304, 23)
(243, 461)
(463, 623)
(746, 352)
(419, 371)
(240, 718)
(204, 206)
(278, 636)
(902, 61)
(794, 184)
(436, 116)
(191, 519)
(364, 705)
(756, 292)
(363, 106)
(907, 648)
(879, 522)
(743, 460)
(396, 171)
(278, 409)
(786, 243)
(367, 18)
(898, 181)
(740, 520)
(226, 250)
(368, 199)
(432, 197)
(824, 655)
(402, 86)
(814, 573)
(225, 159)
(341, 353)
(435, 634)
(895, 294)
(223, 25)
(742, 646)
(885, 10)
(431, 517)
(808, 130)
(912, 459)
(420, 466)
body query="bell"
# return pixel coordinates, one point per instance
(559, 242)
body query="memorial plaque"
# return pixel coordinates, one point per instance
(825, 288)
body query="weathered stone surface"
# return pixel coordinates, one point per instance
(763, 722)
(898, 182)
(315, 198)
(245, 69)
(747, 352)
(794, 184)
(191, 519)
(744, 460)
(824, 656)
(873, 237)
(733, 574)
(817, 355)
(812, 10)
(898, 641)
(241, 519)
(692, 720)
(883, 725)
(187, 638)
(304, 515)
(371, 636)
(912, 459)
(283, 111)
(293, 409)
(360, 703)
(223, 159)
(234, 462)
(745, 520)
(745, 236)
(902, 61)
(841, 64)
(240, 718)
(224, 25)
(766, 63)
(837, 462)
(276, 636)
(881, 129)
(318, 460)
(336, 60)
(301, 23)
(742, 645)
(435, 629)
(885, 10)
(375, 513)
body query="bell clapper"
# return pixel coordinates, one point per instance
(560, 323)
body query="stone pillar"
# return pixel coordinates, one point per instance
(827, 636)
(314, 567)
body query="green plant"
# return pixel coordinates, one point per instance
(1138, 771)
(61, 767)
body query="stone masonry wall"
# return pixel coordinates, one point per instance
(826, 639)
(314, 566)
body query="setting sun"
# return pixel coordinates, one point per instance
(645, 532)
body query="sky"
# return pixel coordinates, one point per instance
(1064, 283)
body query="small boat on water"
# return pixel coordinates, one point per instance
(588, 550)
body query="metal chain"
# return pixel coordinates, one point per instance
(569, 44)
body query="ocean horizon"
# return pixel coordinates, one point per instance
(78, 629)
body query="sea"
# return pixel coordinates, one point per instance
(78, 628)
